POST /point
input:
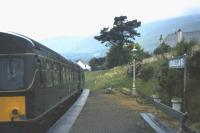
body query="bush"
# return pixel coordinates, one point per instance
(97, 63)
(194, 65)
(146, 73)
(162, 49)
(170, 82)
(184, 47)
(193, 89)
(147, 55)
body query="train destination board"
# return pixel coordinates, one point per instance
(177, 63)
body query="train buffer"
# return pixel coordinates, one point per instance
(64, 124)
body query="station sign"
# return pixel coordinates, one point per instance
(177, 63)
(181, 63)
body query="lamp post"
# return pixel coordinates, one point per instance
(185, 80)
(134, 88)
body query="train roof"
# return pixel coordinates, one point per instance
(11, 42)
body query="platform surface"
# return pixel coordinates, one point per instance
(64, 124)
(102, 115)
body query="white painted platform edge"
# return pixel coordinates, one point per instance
(64, 124)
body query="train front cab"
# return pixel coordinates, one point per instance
(16, 77)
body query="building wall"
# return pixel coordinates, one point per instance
(84, 66)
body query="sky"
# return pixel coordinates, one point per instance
(43, 19)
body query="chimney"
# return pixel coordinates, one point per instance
(161, 39)
(179, 34)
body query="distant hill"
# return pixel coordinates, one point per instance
(86, 48)
(74, 48)
(150, 32)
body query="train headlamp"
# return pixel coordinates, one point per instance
(15, 112)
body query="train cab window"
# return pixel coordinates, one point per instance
(11, 73)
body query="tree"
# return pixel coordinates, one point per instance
(113, 56)
(147, 54)
(194, 65)
(146, 72)
(139, 55)
(97, 63)
(170, 82)
(184, 47)
(161, 49)
(122, 33)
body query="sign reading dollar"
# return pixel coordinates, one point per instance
(177, 63)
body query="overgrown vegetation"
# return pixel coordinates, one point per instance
(146, 73)
(184, 48)
(168, 83)
(153, 78)
(162, 49)
(97, 63)
(157, 78)
(111, 59)
(115, 78)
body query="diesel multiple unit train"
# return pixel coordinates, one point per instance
(35, 82)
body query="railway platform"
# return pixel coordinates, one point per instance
(64, 124)
(101, 115)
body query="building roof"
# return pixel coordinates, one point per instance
(192, 35)
(172, 39)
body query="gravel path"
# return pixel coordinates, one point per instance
(101, 115)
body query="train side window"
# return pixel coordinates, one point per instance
(49, 75)
(63, 76)
(75, 78)
(67, 76)
(60, 75)
(71, 76)
(44, 67)
(56, 75)
(59, 78)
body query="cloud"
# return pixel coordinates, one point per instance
(192, 11)
(42, 19)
